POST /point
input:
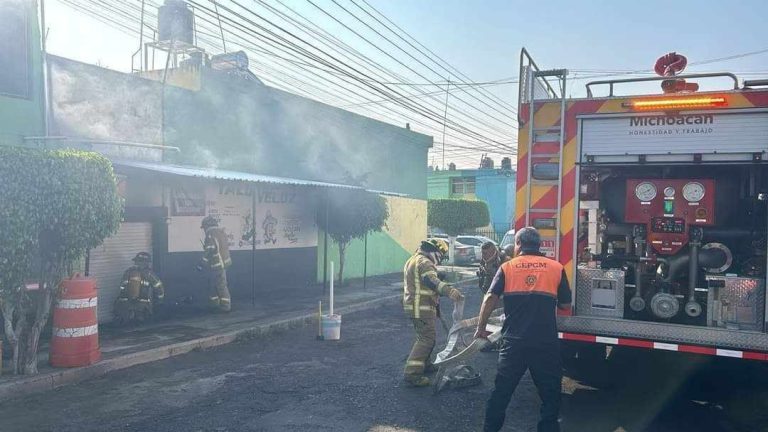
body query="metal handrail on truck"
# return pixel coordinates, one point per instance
(660, 78)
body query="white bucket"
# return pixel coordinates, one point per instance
(331, 327)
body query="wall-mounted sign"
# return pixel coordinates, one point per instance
(284, 217)
(675, 134)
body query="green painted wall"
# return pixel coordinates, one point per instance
(387, 250)
(385, 256)
(20, 117)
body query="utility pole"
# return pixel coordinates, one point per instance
(445, 116)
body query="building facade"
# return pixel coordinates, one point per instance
(493, 185)
(22, 111)
(210, 142)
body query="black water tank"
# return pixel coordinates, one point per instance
(486, 163)
(506, 163)
(175, 21)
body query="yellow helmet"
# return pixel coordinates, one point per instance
(435, 245)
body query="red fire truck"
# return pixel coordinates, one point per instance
(657, 206)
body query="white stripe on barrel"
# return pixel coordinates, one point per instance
(77, 303)
(76, 331)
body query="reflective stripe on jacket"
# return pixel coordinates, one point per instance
(421, 287)
(216, 249)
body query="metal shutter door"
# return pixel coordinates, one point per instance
(109, 261)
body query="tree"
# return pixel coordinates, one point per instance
(455, 216)
(56, 205)
(351, 215)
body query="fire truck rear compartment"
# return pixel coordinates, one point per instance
(680, 244)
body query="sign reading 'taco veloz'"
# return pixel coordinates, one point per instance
(675, 134)
(284, 216)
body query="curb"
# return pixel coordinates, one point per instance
(63, 377)
(60, 378)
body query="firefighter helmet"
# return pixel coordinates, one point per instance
(435, 245)
(142, 257)
(208, 222)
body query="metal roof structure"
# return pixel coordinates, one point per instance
(210, 173)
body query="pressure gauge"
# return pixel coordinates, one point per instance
(645, 191)
(669, 192)
(693, 191)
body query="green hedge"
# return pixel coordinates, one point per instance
(455, 216)
(56, 202)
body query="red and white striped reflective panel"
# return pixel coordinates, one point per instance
(639, 343)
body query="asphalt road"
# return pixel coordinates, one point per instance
(291, 382)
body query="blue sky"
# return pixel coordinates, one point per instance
(483, 40)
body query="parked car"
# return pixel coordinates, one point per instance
(465, 255)
(509, 238)
(475, 241)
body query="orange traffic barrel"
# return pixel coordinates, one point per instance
(75, 339)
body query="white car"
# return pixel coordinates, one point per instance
(509, 238)
(476, 242)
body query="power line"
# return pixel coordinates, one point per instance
(403, 50)
(212, 35)
(354, 74)
(448, 65)
(304, 81)
(382, 50)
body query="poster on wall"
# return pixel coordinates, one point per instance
(284, 218)
(186, 202)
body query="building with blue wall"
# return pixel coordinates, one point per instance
(494, 186)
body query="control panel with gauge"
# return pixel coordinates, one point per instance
(668, 208)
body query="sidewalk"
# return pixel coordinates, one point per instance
(126, 347)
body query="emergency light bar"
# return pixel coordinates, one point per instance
(677, 103)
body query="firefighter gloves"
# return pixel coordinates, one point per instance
(455, 294)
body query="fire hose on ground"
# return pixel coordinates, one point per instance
(460, 347)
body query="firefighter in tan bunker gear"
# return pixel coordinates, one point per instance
(421, 289)
(216, 259)
(140, 291)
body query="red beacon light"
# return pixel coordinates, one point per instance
(670, 65)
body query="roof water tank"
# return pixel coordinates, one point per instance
(175, 22)
(486, 163)
(506, 163)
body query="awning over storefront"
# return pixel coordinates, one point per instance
(210, 173)
(139, 168)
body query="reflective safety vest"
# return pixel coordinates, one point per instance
(532, 274)
(422, 287)
(216, 249)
